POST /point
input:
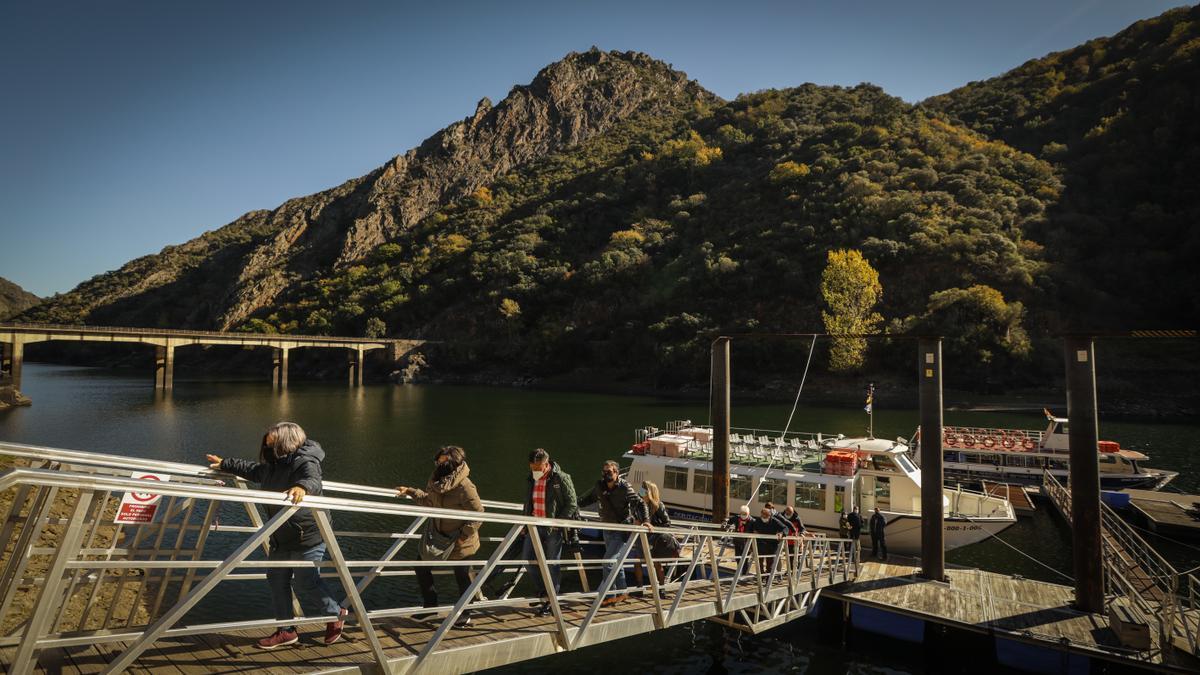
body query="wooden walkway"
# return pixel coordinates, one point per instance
(1022, 504)
(496, 637)
(1166, 512)
(1033, 612)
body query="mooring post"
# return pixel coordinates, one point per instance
(933, 536)
(720, 422)
(1083, 436)
(164, 366)
(279, 373)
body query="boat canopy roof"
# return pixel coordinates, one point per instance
(875, 446)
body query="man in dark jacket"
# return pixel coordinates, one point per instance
(550, 494)
(768, 524)
(856, 525)
(617, 502)
(878, 523)
(291, 462)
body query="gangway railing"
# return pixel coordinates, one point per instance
(69, 568)
(1137, 574)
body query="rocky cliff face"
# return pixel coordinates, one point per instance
(224, 276)
(14, 299)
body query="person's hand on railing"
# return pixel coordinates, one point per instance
(402, 491)
(214, 462)
(295, 493)
(648, 526)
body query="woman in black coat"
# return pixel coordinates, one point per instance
(291, 462)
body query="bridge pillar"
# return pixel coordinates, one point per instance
(933, 536)
(1082, 436)
(356, 366)
(279, 376)
(164, 367)
(15, 352)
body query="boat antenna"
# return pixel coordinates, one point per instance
(870, 408)
(788, 425)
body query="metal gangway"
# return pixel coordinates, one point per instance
(1137, 577)
(79, 593)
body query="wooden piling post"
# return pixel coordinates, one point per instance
(1083, 434)
(720, 423)
(933, 536)
(164, 366)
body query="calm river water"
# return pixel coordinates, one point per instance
(385, 435)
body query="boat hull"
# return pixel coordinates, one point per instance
(1144, 481)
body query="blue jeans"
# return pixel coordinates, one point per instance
(310, 588)
(552, 546)
(613, 543)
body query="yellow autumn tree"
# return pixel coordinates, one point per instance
(851, 289)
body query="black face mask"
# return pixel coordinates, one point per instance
(608, 477)
(444, 469)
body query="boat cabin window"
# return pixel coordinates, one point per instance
(905, 463)
(774, 491)
(1057, 464)
(810, 496)
(740, 487)
(882, 463)
(703, 483)
(675, 478)
(839, 498)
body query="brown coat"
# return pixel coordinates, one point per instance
(455, 491)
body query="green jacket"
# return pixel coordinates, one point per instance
(560, 495)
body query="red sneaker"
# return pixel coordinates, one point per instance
(280, 638)
(333, 629)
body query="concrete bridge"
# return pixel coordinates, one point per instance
(14, 337)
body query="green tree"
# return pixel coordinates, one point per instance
(851, 289)
(376, 328)
(982, 333)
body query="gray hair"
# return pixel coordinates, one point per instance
(616, 467)
(286, 438)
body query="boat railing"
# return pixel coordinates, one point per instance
(674, 426)
(1001, 505)
(128, 585)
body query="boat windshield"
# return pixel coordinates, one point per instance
(905, 463)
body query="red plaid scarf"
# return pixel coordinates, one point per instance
(539, 496)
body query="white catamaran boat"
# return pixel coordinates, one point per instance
(1021, 455)
(820, 475)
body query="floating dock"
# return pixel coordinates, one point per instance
(1031, 622)
(1166, 512)
(1018, 495)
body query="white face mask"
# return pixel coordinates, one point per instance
(537, 475)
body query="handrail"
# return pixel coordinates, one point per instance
(796, 572)
(1163, 600)
(133, 330)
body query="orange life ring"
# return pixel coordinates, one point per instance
(1008, 443)
(989, 442)
(968, 441)
(1027, 443)
(948, 439)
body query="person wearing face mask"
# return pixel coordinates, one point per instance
(661, 545)
(448, 488)
(617, 502)
(551, 494)
(767, 523)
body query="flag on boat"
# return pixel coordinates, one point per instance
(870, 397)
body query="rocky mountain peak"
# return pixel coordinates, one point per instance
(244, 266)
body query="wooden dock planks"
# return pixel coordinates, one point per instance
(1022, 504)
(1020, 609)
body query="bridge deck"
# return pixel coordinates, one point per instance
(496, 637)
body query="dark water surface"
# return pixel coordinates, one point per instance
(385, 435)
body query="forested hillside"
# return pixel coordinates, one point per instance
(612, 216)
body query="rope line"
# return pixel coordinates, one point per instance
(997, 538)
(788, 426)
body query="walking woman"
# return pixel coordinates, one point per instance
(290, 461)
(446, 539)
(662, 544)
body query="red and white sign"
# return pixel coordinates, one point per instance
(139, 507)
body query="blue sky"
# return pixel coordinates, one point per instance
(129, 126)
